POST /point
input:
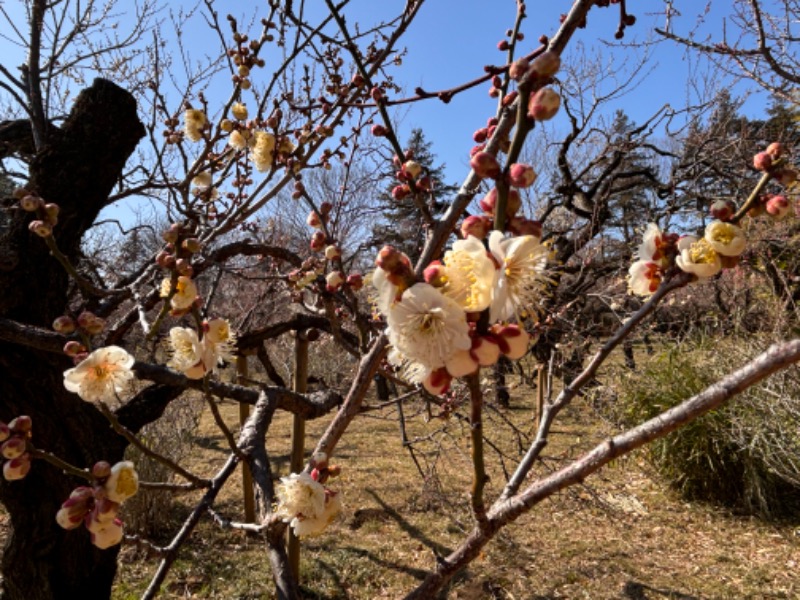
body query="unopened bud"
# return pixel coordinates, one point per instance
(334, 280)
(722, 210)
(317, 243)
(518, 69)
(31, 203)
(101, 469)
(485, 165)
(778, 207)
(477, 226)
(776, 150)
(546, 64)
(191, 245)
(355, 281)
(64, 325)
(762, 161)
(521, 175)
(412, 168)
(73, 348)
(21, 424)
(332, 252)
(41, 228)
(544, 104)
(13, 447)
(378, 130)
(435, 274)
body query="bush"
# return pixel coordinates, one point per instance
(745, 455)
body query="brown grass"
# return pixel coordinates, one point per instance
(621, 535)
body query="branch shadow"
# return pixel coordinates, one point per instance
(635, 590)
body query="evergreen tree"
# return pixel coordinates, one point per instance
(402, 225)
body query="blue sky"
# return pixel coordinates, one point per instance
(452, 40)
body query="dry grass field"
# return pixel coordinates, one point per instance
(620, 535)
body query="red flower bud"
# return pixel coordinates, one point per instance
(64, 325)
(485, 165)
(521, 175)
(477, 226)
(544, 104)
(378, 130)
(355, 281)
(762, 161)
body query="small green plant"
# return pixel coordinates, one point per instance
(745, 455)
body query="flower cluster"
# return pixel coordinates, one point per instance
(45, 213)
(102, 375)
(14, 447)
(305, 503)
(723, 241)
(97, 507)
(433, 325)
(193, 356)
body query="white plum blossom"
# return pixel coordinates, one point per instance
(426, 327)
(698, 257)
(521, 277)
(188, 353)
(725, 238)
(651, 248)
(102, 375)
(185, 292)
(305, 504)
(644, 277)
(469, 274)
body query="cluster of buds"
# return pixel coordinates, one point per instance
(46, 213)
(97, 506)
(410, 173)
(176, 257)
(508, 340)
(245, 54)
(87, 325)
(772, 161)
(14, 447)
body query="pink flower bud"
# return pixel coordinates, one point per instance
(518, 68)
(85, 319)
(13, 447)
(461, 363)
(485, 350)
(73, 348)
(544, 104)
(52, 210)
(165, 260)
(435, 274)
(502, 45)
(31, 203)
(546, 64)
(378, 130)
(521, 175)
(485, 165)
(438, 382)
(762, 161)
(376, 94)
(64, 325)
(424, 184)
(313, 220)
(95, 326)
(101, 469)
(513, 203)
(399, 192)
(184, 267)
(69, 518)
(317, 243)
(392, 260)
(476, 226)
(513, 340)
(480, 135)
(21, 424)
(40, 228)
(776, 150)
(722, 210)
(332, 252)
(325, 208)
(778, 207)
(17, 468)
(172, 234)
(355, 281)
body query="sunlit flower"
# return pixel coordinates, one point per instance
(101, 375)
(185, 292)
(263, 150)
(187, 352)
(469, 275)
(652, 246)
(698, 257)
(299, 495)
(194, 121)
(644, 277)
(725, 238)
(309, 526)
(122, 483)
(202, 180)
(219, 334)
(521, 277)
(427, 327)
(239, 111)
(386, 290)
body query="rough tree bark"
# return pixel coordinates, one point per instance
(77, 169)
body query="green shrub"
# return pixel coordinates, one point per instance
(745, 455)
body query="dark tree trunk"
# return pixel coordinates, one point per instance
(77, 170)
